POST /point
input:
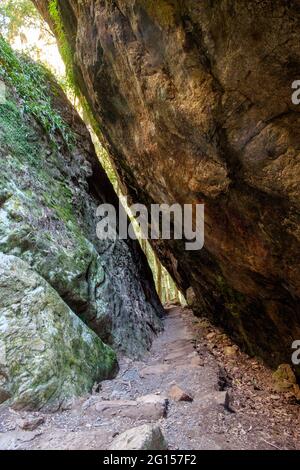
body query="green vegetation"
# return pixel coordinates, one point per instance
(41, 222)
(161, 10)
(15, 15)
(24, 156)
(32, 82)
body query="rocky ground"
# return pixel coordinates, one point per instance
(200, 390)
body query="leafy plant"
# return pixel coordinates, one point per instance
(64, 46)
(32, 83)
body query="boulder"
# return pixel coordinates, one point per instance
(215, 398)
(193, 101)
(47, 353)
(146, 437)
(158, 404)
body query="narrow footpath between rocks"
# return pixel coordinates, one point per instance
(194, 384)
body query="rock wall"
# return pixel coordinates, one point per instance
(47, 354)
(51, 183)
(194, 102)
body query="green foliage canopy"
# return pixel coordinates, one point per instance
(16, 14)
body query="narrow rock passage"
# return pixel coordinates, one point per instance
(179, 365)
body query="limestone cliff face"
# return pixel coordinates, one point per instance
(194, 103)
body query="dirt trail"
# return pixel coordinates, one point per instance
(222, 415)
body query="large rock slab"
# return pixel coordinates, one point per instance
(47, 354)
(193, 100)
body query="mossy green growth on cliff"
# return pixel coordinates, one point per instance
(31, 82)
(67, 56)
(234, 303)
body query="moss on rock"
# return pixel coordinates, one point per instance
(47, 354)
(49, 193)
(32, 82)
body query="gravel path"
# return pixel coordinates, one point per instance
(220, 415)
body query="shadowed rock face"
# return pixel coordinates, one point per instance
(194, 102)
